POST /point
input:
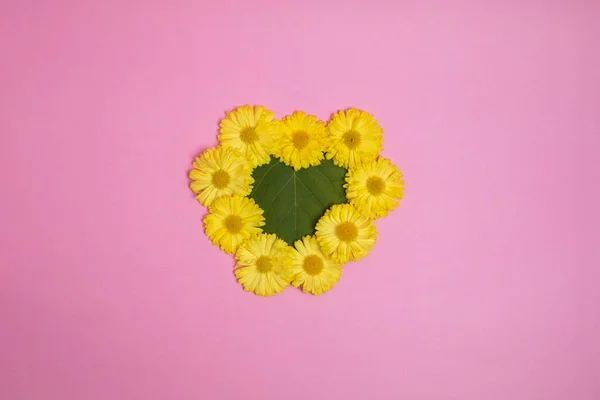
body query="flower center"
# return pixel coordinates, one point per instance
(351, 139)
(263, 264)
(220, 179)
(375, 185)
(248, 135)
(313, 265)
(300, 139)
(346, 231)
(233, 223)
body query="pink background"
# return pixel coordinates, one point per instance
(483, 285)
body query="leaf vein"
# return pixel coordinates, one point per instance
(309, 192)
(278, 193)
(295, 205)
(266, 173)
(287, 213)
(325, 176)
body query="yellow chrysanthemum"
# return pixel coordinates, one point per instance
(220, 171)
(354, 137)
(345, 234)
(373, 187)
(232, 220)
(300, 141)
(250, 130)
(312, 269)
(261, 266)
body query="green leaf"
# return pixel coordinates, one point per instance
(293, 201)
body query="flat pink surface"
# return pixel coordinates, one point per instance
(483, 285)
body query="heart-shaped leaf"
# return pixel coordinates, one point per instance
(293, 201)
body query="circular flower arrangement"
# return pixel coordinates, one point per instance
(295, 199)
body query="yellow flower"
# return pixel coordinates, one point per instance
(313, 270)
(300, 140)
(345, 234)
(373, 187)
(355, 137)
(261, 266)
(250, 130)
(220, 171)
(232, 220)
